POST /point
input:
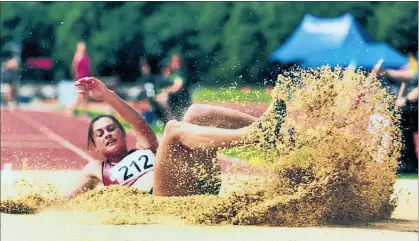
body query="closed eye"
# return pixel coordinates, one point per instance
(98, 133)
(111, 127)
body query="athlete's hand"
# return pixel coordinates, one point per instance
(400, 102)
(92, 87)
(377, 67)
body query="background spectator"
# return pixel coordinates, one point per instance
(176, 98)
(81, 68)
(407, 102)
(10, 77)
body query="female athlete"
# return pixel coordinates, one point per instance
(182, 163)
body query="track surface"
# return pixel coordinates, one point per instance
(47, 140)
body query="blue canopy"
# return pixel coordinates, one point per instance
(366, 55)
(315, 34)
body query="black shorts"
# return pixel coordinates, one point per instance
(206, 187)
(179, 103)
(209, 187)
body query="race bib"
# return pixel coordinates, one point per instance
(137, 166)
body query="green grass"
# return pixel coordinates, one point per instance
(235, 95)
(407, 176)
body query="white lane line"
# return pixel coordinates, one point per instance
(27, 118)
(31, 144)
(21, 137)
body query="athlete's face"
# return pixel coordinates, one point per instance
(109, 139)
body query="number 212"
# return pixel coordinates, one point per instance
(146, 166)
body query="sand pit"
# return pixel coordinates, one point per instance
(67, 225)
(174, 233)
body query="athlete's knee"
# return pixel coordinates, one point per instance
(195, 113)
(172, 129)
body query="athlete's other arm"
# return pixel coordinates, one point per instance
(411, 97)
(400, 75)
(146, 139)
(87, 180)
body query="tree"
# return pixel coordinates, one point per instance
(222, 42)
(397, 24)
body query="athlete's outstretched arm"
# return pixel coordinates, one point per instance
(85, 182)
(146, 139)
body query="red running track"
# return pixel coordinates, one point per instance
(45, 140)
(51, 141)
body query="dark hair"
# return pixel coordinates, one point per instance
(90, 140)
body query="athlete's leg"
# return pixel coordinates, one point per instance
(217, 116)
(187, 153)
(186, 156)
(9, 94)
(221, 117)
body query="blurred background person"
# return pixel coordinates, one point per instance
(10, 77)
(154, 77)
(145, 71)
(166, 69)
(177, 65)
(407, 102)
(412, 99)
(153, 73)
(81, 67)
(176, 97)
(159, 101)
